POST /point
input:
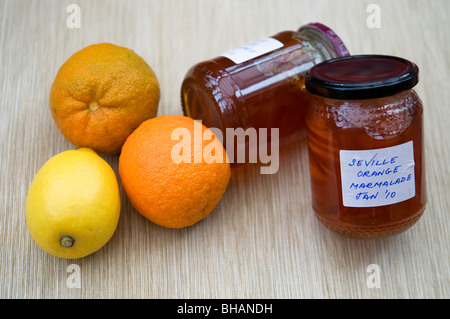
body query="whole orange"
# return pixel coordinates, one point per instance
(174, 170)
(101, 94)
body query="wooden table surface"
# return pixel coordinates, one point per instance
(262, 240)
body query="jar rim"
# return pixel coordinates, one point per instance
(362, 77)
(327, 34)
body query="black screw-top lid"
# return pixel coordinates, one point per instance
(362, 77)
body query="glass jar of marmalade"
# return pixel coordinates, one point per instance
(365, 142)
(260, 85)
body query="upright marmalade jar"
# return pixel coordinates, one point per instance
(260, 85)
(365, 141)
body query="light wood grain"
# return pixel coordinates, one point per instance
(262, 240)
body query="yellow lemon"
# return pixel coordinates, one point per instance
(73, 204)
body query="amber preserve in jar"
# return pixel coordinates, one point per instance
(365, 142)
(258, 88)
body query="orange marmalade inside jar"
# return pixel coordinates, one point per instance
(365, 142)
(260, 85)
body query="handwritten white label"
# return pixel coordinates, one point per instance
(252, 50)
(378, 177)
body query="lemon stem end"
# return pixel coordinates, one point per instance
(66, 241)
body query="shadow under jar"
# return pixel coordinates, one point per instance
(365, 143)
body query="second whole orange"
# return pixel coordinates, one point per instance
(101, 94)
(174, 170)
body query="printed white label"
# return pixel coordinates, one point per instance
(252, 50)
(378, 177)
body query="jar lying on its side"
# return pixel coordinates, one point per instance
(365, 141)
(260, 85)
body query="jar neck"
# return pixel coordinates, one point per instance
(380, 118)
(320, 43)
(387, 100)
